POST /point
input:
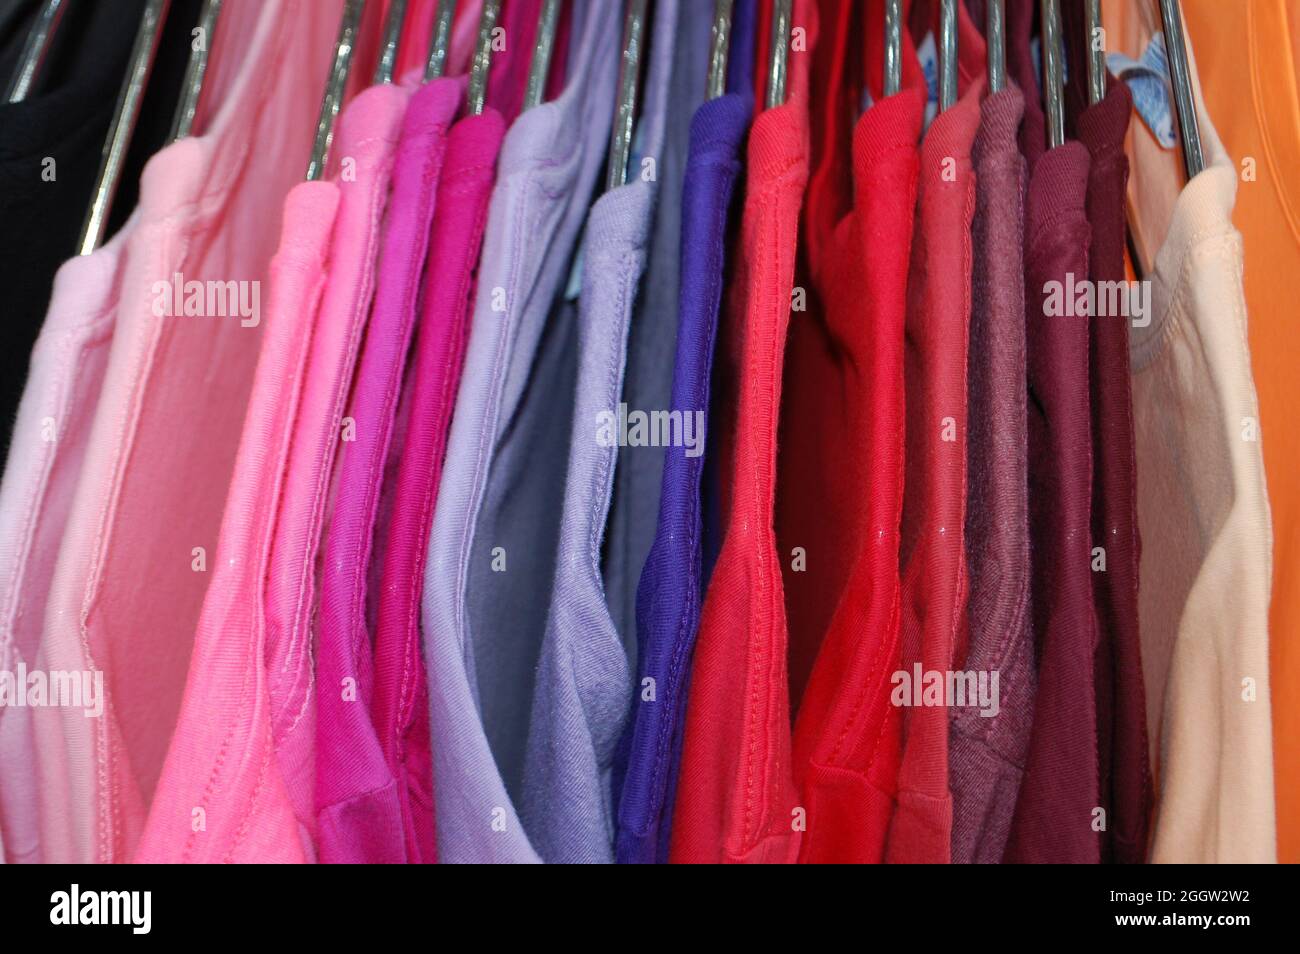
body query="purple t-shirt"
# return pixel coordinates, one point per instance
(584, 677)
(986, 753)
(671, 586)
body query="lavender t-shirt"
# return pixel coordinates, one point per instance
(491, 550)
(583, 688)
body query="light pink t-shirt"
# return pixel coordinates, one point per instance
(49, 446)
(141, 536)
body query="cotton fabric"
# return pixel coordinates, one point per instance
(51, 434)
(366, 136)
(736, 797)
(1203, 506)
(841, 425)
(672, 582)
(1055, 817)
(497, 500)
(932, 557)
(401, 698)
(379, 811)
(317, 374)
(584, 675)
(986, 751)
(1123, 769)
(253, 815)
(167, 410)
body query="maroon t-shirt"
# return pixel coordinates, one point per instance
(1122, 755)
(1055, 814)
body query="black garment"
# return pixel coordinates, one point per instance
(15, 19)
(50, 148)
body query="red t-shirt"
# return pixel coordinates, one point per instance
(932, 554)
(736, 799)
(840, 483)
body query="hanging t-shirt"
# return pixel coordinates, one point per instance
(1123, 770)
(987, 744)
(51, 434)
(277, 615)
(374, 773)
(243, 809)
(583, 688)
(1202, 503)
(647, 375)
(671, 587)
(932, 556)
(401, 702)
(366, 140)
(841, 431)
(1055, 818)
(68, 361)
(736, 798)
(491, 548)
(376, 812)
(172, 405)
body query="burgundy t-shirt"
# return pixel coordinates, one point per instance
(1122, 755)
(1055, 814)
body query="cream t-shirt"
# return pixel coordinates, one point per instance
(1203, 510)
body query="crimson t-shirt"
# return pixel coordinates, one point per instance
(840, 483)
(736, 800)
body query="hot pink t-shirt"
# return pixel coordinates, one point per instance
(365, 812)
(258, 615)
(221, 796)
(141, 537)
(401, 700)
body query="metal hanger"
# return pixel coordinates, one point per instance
(620, 145)
(780, 53)
(441, 42)
(195, 71)
(893, 46)
(1053, 79)
(540, 67)
(344, 47)
(1189, 126)
(125, 114)
(392, 35)
(1096, 57)
(719, 46)
(996, 35)
(478, 72)
(36, 51)
(947, 53)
